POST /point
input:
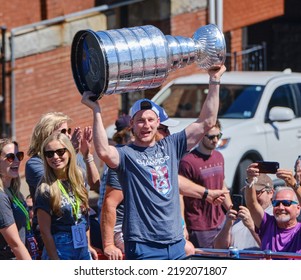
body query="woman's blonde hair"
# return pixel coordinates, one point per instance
(74, 176)
(47, 124)
(15, 184)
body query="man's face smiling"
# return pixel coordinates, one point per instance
(145, 124)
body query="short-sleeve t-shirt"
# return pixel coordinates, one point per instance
(149, 180)
(207, 171)
(64, 222)
(277, 239)
(9, 214)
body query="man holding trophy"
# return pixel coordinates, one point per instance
(148, 170)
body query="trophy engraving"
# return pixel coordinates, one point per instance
(138, 58)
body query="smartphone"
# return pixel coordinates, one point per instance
(237, 200)
(268, 166)
(298, 163)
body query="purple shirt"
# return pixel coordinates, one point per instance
(277, 239)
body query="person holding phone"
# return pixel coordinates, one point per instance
(280, 232)
(239, 230)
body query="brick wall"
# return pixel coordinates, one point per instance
(44, 83)
(19, 12)
(55, 8)
(239, 13)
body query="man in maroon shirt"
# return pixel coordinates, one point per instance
(205, 166)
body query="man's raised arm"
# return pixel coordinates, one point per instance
(208, 115)
(106, 152)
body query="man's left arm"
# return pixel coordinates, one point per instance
(208, 115)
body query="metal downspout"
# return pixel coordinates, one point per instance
(212, 8)
(25, 28)
(216, 13)
(3, 60)
(219, 12)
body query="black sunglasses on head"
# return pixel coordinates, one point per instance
(59, 152)
(64, 130)
(11, 156)
(211, 137)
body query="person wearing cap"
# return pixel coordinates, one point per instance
(282, 231)
(148, 173)
(204, 165)
(239, 230)
(113, 207)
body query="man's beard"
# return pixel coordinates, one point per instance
(283, 218)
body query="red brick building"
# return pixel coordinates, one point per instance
(37, 72)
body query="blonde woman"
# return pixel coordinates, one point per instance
(58, 122)
(61, 203)
(13, 212)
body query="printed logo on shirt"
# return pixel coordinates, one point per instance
(160, 180)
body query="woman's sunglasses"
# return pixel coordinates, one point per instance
(59, 152)
(11, 157)
(285, 203)
(211, 137)
(65, 130)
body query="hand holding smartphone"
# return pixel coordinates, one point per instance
(268, 166)
(237, 200)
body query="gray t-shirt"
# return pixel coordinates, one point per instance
(112, 181)
(149, 180)
(9, 214)
(66, 221)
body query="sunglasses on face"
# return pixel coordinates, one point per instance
(11, 157)
(65, 130)
(261, 191)
(211, 137)
(59, 152)
(285, 203)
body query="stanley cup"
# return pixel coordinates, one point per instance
(139, 58)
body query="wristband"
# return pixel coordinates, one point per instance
(89, 158)
(205, 194)
(250, 185)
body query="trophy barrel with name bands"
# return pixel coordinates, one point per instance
(139, 58)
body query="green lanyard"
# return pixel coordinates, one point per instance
(23, 209)
(75, 206)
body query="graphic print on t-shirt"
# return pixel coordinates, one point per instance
(160, 179)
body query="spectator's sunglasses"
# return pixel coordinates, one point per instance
(64, 130)
(11, 156)
(59, 152)
(211, 137)
(285, 203)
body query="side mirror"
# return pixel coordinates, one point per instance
(281, 114)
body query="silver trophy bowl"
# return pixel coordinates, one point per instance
(139, 58)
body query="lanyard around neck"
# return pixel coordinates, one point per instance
(17, 201)
(75, 206)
